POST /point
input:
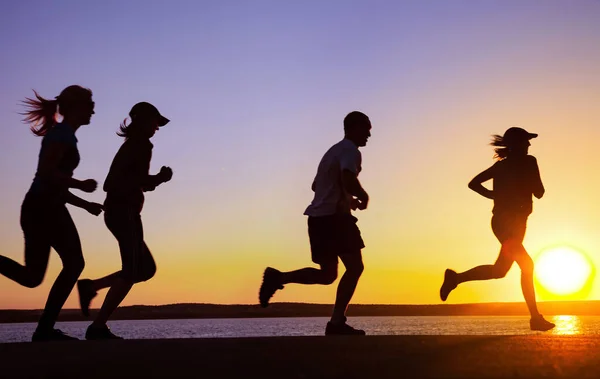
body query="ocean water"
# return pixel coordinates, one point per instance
(315, 326)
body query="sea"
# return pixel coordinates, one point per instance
(315, 326)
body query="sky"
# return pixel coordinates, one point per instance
(256, 92)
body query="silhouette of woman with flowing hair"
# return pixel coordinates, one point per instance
(125, 185)
(45, 220)
(516, 177)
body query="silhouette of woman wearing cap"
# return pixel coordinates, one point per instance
(45, 220)
(516, 177)
(125, 185)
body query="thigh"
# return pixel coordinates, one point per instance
(321, 232)
(147, 265)
(36, 225)
(509, 227)
(505, 260)
(348, 237)
(126, 226)
(64, 237)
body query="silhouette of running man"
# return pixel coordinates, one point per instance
(45, 220)
(332, 229)
(516, 177)
(125, 185)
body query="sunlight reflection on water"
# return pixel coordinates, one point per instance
(567, 325)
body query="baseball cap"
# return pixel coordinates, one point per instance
(146, 109)
(515, 135)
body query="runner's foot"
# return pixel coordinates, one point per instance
(450, 283)
(342, 329)
(51, 335)
(100, 333)
(271, 283)
(540, 323)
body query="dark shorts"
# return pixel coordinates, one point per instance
(46, 224)
(509, 226)
(332, 236)
(125, 223)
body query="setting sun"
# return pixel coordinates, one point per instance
(562, 270)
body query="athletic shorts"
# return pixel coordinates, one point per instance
(509, 226)
(125, 223)
(332, 236)
(46, 223)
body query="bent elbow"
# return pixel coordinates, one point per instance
(539, 194)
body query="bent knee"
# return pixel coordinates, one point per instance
(75, 266)
(329, 274)
(357, 270)
(142, 275)
(33, 279)
(500, 272)
(329, 277)
(526, 265)
(146, 274)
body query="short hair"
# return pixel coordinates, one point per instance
(354, 118)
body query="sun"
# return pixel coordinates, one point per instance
(563, 270)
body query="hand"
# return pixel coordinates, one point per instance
(88, 185)
(362, 203)
(94, 208)
(148, 188)
(354, 203)
(165, 173)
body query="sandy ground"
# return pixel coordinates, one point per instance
(309, 357)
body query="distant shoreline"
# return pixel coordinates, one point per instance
(204, 311)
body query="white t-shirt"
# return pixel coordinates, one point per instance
(330, 195)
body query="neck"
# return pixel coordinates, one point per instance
(351, 139)
(72, 123)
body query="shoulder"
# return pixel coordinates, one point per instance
(61, 133)
(347, 147)
(531, 159)
(498, 166)
(139, 145)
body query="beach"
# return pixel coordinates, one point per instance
(538, 356)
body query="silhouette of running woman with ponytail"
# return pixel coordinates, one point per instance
(45, 220)
(125, 185)
(516, 177)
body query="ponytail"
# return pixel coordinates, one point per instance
(40, 114)
(124, 129)
(129, 130)
(502, 151)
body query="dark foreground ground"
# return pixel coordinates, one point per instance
(309, 357)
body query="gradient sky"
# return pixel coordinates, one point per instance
(257, 90)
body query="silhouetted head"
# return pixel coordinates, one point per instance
(357, 128)
(145, 121)
(74, 103)
(514, 142)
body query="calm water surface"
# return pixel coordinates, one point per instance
(309, 326)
